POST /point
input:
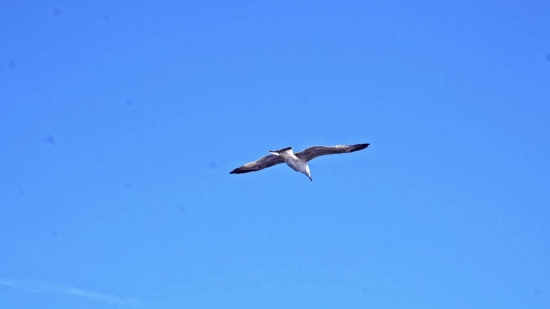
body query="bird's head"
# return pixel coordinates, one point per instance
(308, 173)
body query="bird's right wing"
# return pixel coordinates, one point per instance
(317, 151)
(255, 166)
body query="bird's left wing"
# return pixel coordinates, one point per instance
(255, 166)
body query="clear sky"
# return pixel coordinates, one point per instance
(121, 122)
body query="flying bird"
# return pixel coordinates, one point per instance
(296, 161)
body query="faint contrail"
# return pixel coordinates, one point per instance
(44, 287)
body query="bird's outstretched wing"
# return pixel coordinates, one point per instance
(255, 166)
(313, 152)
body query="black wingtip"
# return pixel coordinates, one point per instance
(360, 146)
(239, 171)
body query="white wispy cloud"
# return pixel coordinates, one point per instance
(45, 287)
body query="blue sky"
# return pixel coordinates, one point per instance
(122, 120)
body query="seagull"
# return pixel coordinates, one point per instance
(296, 161)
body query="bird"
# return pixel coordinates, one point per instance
(296, 161)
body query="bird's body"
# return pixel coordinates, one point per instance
(292, 160)
(298, 161)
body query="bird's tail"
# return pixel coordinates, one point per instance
(284, 150)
